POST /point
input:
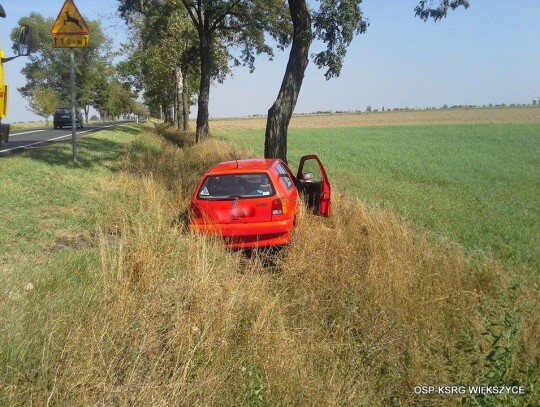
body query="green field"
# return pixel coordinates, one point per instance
(475, 184)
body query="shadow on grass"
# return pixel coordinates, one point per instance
(128, 130)
(91, 152)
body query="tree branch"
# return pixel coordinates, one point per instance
(188, 6)
(233, 27)
(223, 15)
(200, 13)
(425, 10)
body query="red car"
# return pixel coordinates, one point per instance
(254, 203)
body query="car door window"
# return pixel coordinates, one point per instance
(311, 171)
(313, 185)
(284, 176)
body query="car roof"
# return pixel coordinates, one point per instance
(254, 164)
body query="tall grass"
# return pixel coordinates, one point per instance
(358, 310)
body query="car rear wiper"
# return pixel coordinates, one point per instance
(221, 198)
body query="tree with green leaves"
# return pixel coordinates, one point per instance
(223, 27)
(233, 23)
(139, 108)
(48, 67)
(162, 57)
(43, 102)
(112, 98)
(335, 23)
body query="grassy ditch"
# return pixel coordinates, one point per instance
(358, 310)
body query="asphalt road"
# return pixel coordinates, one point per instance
(25, 140)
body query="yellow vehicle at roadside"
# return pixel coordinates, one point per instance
(24, 50)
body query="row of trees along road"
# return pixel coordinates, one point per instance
(182, 44)
(97, 82)
(178, 46)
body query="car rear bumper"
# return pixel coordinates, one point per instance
(247, 235)
(64, 122)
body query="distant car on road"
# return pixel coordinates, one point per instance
(62, 117)
(254, 203)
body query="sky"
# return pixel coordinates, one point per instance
(489, 53)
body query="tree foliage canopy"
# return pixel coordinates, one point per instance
(428, 9)
(228, 33)
(43, 102)
(336, 23)
(49, 67)
(162, 56)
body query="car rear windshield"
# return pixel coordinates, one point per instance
(63, 111)
(232, 186)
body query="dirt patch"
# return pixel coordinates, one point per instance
(67, 239)
(442, 116)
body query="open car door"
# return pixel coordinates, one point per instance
(313, 184)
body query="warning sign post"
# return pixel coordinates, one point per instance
(71, 31)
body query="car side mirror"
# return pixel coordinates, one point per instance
(25, 40)
(308, 176)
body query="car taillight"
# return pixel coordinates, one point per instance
(279, 206)
(196, 210)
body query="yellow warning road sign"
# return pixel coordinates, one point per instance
(70, 21)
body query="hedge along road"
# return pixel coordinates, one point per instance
(25, 140)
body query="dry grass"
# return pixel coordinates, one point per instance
(357, 311)
(446, 116)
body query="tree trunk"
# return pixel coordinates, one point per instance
(279, 115)
(205, 51)
(164, 113)
(168, 114)
(185, 99)
(179, 109)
